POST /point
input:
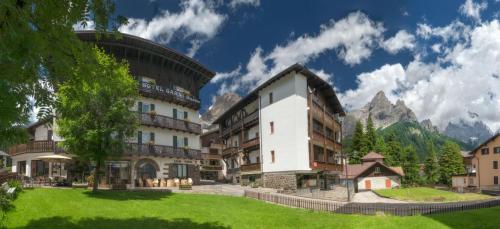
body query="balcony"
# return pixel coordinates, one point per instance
(229, 150)
(167, 94)
(169, 123)
(161, 151)
(251, 143)
(250, 167)
(35, 147)
(211, 167)
(210, 156)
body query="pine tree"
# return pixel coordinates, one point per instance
(380, 146)
(358, 144)
(431, 165)
(411, 167)
(371, 137)
(450, 161)
(393, 152)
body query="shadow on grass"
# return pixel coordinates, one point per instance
(480, 218)
(128, 195)
(100, 222)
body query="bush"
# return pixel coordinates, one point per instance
(16, 184)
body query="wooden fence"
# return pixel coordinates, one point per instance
(399, 209)
(4, 177)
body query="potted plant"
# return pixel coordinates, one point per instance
(152, 114)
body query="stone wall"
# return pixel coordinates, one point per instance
(280, 181)
(249, 179)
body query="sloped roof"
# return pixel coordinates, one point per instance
(372, 155)
(354, 171)
(484, 143)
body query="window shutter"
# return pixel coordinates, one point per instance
(174, 141)
(185, 141)
(152, 107)
(152, 136)
(139, 107)
(174, 113)
(185, 115)
(139, 137)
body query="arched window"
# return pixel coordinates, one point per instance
(146, 170)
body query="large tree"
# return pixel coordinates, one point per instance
(411, 167)
(94, 112)
(393, 154)
(38, 50)
(371, 136)
(451, 162)
(358, 144)
(431, 165)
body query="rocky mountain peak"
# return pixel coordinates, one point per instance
(427, 124)
(469, 132)
(220, 105)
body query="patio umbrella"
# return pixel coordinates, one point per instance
(54, 158)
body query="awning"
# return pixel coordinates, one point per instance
(53, 158)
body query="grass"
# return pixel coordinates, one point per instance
(77, 208)
(423, 194)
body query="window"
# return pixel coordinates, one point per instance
(185, 115)
(271, 125)
(146, 170)
(338, 136)
(151, 107)
(174, 141)
(377, 169)
(495, 164)
(331, 156)
(318, 153)
(317, 126)
(139, 107)
(186, 141)
(496, 150)
(49, 135)
(139, 137)
(495, 180)
(174, 113)
(270, 98)
(181, 170)
(329, 133)
(485, 151)
(257, 159)
(151, 137)
(272, 156)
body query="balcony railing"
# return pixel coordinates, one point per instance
(161, 151)
(35, 147)
(209, 156)
(211, 167)
(251, 143)
(229, 150)
(170, 123)
(250, 118)
(168, 94)
(250, 167)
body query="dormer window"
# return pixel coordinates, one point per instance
(377, 170)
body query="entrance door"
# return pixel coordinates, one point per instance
(388, 183)
(368, 184)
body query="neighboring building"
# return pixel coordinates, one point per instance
(485, 161)
(284, 134)
(167, 143)
(212, 166)
(465, 182)
(373, 174)
(6, 161)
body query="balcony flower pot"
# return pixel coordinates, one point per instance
(152, 114)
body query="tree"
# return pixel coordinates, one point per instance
(358, 144)
(39, 48)
(431, 165)
(394, 149)
(450, 161)
(411, 166)
(380, 146)
(94, 115)
(371, 137)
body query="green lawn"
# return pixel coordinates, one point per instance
(423, 194)
(76, 208)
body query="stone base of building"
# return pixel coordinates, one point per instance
(251, 179)
(280, 180)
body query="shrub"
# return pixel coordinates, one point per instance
(16, 184)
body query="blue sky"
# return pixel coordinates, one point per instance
(437, 56)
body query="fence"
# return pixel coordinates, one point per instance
(399, 209)
(4, 177)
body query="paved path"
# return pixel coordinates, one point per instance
(216, 189)
(370, 197)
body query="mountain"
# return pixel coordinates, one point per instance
(427, 124)
(473, 133)
(382, 111)
(417, 135)
(220, 105)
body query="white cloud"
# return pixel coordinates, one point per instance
(402, 40)
(464, 80)
(196, 20)
(235, 3)
(472, 9)
(225, 75)
(89, 25)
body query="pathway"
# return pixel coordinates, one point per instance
(370, 197)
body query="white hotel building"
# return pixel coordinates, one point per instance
(167, 143)
(284, 134)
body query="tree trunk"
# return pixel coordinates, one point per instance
(97, 176)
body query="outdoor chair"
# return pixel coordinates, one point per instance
(163, 182)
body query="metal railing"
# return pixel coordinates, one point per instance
(170, 123)
(162, 151)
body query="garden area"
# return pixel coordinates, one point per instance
(80, 208)
(424, 194)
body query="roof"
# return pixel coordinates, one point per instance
(484, 143)
(465, 153)
(312, 79)
(372, 155)
(136, 42)
(354, 171)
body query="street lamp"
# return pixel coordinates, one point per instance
(345, 159)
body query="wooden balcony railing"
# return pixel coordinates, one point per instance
(250, 167)
(236, 127)
(35, 147)
(170, 123)
(251, 143)
(209, 156)
(211, 167)
(167, 94)
(229, 150)
(161, 151)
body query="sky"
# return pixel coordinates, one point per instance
(442, 58)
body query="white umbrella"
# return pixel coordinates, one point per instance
(54, 158)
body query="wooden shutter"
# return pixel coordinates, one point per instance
(152, 136)
(139, 107)
(174, 113)
(174, 141)
(139, 137)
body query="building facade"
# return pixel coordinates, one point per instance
(485, 162)
(212, 167)
(284, 134)
(167, 142)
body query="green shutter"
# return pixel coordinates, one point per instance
(139, 137)
(139, 107)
